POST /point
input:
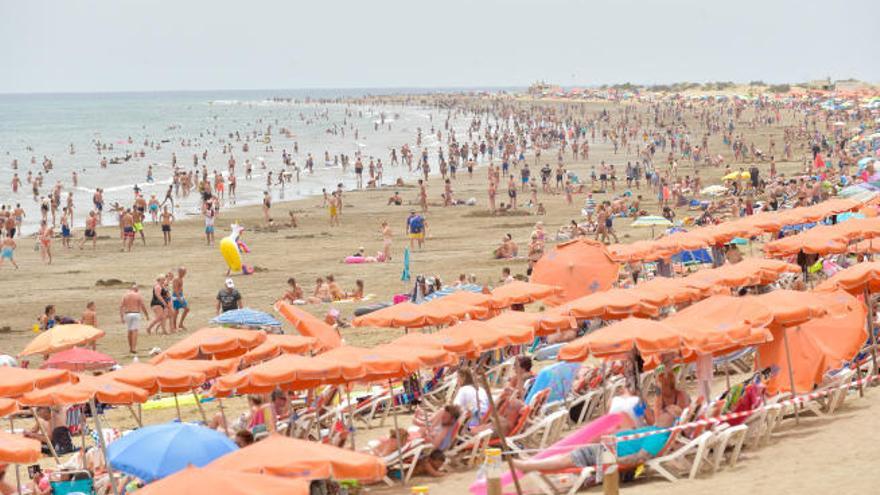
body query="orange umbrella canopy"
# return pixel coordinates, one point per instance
(544, 323)
(443, 311)
(18, 381)
(868, 246)
(18, 449)
(818, 240)
(427, 357)
(487, 336)
(611, 304)
(293, 458)
(470, 298)
(102, 389)
(403, 315)
(816, 346)
(579, 267)
(648, 336)
(458, 343)
(214, 340)
(60, 338)
(7, 407)
(155, 378)
(377, 365)
(289, 372)
(280, 344)
(791, 307)
(309, 325)
(210, 368)
(207, 480)
(854, 279)
(518, 292)
(722, 323)
(662, 291)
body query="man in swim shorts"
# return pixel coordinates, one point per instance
(130, 313)
(178, 300)
(126, 222)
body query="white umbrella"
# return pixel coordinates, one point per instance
(651, 221)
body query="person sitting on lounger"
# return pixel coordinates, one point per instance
(439, 430)
(396, 439)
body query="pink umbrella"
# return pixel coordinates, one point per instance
(79, 359)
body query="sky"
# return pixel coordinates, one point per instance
(156, 45)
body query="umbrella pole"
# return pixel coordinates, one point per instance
(103, 445)
(496, 422)
(223, 415)
(177, 406)
(797, 418)
(396, 429)
(82, 433)
(870, 324)
(17, 474)
(48, 440)
(351, 415)
(135, 416)
(199, 405)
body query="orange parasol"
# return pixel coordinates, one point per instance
(722, 323)
(868, 246)
(611, 304)
(7, 407)
(195, 480)
(289, 372)
(309, 325)
(791, 307)
(102, 389)
(854, 279)
(487, 336)
(636, 251)
(819, 240)
(18, 381)
(62, 337)
(214, 340)
(662, 291)
(579, 267)
(443, 311)
(294, 458)
(458, 344)
(279, 344)
(155, 378)
(18, 449)
(815, 347)
(403, 315)
(377, 365)
(210, 368)
(470, 298)
(427, 357)
(648, 336)
(544, 323)
(518, 292)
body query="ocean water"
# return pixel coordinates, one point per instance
(34, 126)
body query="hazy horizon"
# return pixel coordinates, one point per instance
(107, 46)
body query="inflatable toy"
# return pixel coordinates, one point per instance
(232, 247)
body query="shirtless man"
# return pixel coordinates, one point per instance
(90, 234)
(178, 300)
(423, 196)
(167, 218)
(130, 313)
(126, 223)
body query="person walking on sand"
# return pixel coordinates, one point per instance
(423, 196)
(45, 239)
(333, 206)
(159, 305)
(7, 250)
(178, 300)
(415, 229)
(210, 215)
(90, 233)
(126, 223)
(267, 205)
(387, 236)
(167, 218)
(130, 311)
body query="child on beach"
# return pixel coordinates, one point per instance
(7, 250)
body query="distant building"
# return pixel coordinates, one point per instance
(823, 84)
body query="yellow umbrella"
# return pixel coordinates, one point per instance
(737, 175)
(62, 337)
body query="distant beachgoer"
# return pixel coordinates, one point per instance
(130, 311)
(7, 250)
(228, 298)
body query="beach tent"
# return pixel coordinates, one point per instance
(579, 267)
(294, 458)
(213, 341)
(309, 325)
(62, 337)
(193, 480)
(647, 336)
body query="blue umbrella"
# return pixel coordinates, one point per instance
(405, 275)
(154, 452)
(246, 318)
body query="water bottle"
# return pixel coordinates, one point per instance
(492, 471)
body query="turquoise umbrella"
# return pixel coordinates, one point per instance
(405, 275)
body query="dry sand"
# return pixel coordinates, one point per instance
(816, 457)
